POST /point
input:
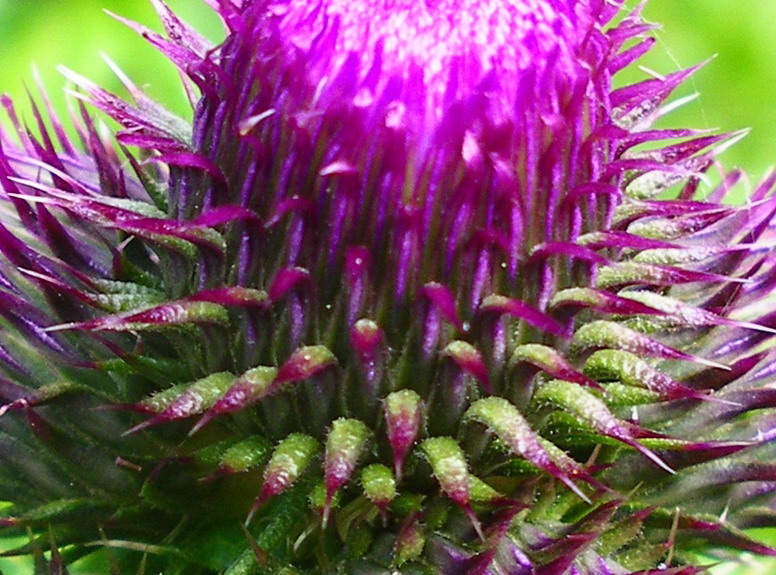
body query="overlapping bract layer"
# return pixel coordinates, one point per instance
(398, 298)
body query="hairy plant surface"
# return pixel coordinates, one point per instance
(404, 298)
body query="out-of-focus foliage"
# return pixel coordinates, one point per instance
(736, 87)
(72, 33)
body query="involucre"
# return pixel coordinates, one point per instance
(406, 297)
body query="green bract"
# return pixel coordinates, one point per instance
(404, 298)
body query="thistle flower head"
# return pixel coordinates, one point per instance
(402, 297)
(436, 52)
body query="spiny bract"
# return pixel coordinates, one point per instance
(401, 300)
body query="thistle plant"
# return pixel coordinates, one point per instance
(408, 296)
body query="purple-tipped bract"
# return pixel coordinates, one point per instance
(406, 294)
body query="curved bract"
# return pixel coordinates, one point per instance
(405, 297)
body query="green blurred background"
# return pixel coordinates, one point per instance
(736, 87)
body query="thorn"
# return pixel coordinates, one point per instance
(630, 495)
(576, 490)
(672, 538)
(710, 397)
(474, 521)
(203, 421)
(258, 502)
(248, 124)
(754, 326)
(133, 407)
(121, 462)
(653, 73)
(141, 426)
(678, 103)
(651, 456)
(258, 552)
(217, 474)
(710, 363)
(593, 456)
(303, 536)
(61, 327)
(128, 84)
(327, 509)
(398, 469)
(21, 403)
(724, 514)
(27, 197)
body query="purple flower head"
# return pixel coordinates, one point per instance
(404, 295)
(432, 55)
(446, 141)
